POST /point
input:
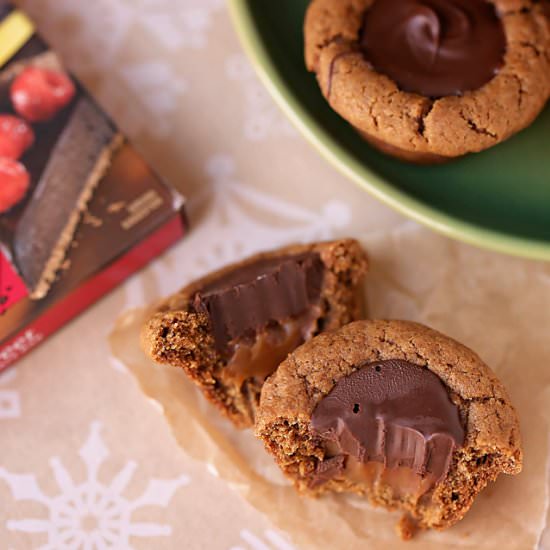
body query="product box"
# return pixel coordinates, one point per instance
(80, 210)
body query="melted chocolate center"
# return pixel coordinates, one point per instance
(393, 413)
(247, 301)
(434, 48)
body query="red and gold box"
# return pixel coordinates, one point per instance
(80, 210)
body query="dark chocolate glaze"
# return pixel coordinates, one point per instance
(247, 299)
(394, 413)
(435, 48)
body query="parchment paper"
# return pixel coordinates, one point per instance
(498, 306)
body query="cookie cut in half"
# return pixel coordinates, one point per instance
(394, 411)
(431, 80)
(231, 329)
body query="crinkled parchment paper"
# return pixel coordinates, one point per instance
(498, 306)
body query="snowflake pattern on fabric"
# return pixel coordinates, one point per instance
(90, 514)
(155, 90)
(10, 400)
(272, 540)
(107, 28)
(262, 117)
(109, 24)
(187, 27)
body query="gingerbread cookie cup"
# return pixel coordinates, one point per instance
(431, 80)
(230, 330)
(394, 411)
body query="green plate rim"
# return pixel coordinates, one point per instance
(336, 155)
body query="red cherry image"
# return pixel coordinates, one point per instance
(14, 183)
(16, 136)
(38, 94)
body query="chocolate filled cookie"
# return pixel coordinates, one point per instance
(394, 411)
(431, 80)
(230, 330)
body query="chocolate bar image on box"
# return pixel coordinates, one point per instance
(69, 158)
(77, 163)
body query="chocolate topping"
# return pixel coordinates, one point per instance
(394, 413)
(434, 47)
(247, 300)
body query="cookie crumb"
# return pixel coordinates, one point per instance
(406, 527)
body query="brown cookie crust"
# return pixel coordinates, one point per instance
(418, 128)
(177, 335)
(492, 444)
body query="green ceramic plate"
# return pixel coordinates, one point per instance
(498, 199)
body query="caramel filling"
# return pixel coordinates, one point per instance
(402, 481)
(270, 347)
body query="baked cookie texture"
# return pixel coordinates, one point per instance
(423, 129)
(231, 329)
(293, 397)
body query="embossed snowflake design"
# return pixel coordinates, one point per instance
(185, 27)
(262, 117)
(90, 514)
(272, 540)
(104, 25)
(156, 90)
(10, 400)
(99, 26)
(257, 219)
